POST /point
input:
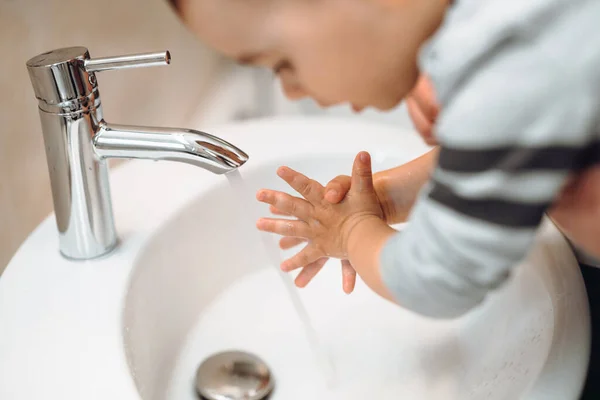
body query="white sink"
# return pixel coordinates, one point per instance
(190, 278)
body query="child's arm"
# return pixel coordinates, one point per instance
(400, 186)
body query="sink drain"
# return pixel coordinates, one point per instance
(234, 375)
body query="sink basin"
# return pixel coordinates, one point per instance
(191, 278)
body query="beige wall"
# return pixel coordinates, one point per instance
(154, 96)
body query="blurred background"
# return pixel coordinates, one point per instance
(198, 90)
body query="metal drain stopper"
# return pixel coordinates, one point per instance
(234, 375)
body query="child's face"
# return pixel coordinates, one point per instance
(361, 52)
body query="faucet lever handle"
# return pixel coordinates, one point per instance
(128, 61)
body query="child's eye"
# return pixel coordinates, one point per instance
(281, 65)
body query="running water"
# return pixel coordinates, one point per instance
(271, 249)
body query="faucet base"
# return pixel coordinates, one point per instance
(106, 252)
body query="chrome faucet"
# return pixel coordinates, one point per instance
(78, 143)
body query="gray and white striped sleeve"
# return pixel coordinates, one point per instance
(509, 139)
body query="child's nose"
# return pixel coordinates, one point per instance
(296, 92)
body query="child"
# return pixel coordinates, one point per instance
(518, 84)
(576, 211)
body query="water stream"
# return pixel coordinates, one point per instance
(270, 247)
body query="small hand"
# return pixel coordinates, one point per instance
(335, 191)
(338, 187)
(309, 272)
(323, 225)
(423, 109)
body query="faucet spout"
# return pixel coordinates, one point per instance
(183, 145)
(79, 142)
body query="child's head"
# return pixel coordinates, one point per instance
(358, 51)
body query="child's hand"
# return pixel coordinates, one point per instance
(335, 191)
(338, 187)
(325, 226)
(423, 109)
(310, 271)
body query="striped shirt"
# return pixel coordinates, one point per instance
(519, 87)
